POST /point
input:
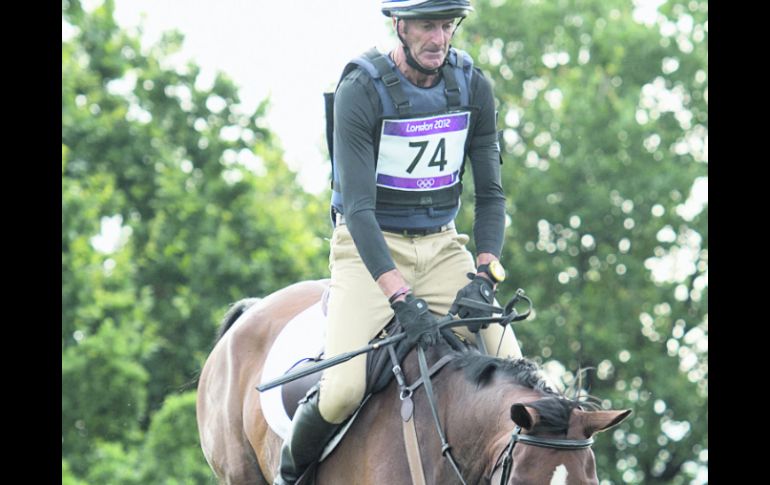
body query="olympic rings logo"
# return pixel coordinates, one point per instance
(425, 183)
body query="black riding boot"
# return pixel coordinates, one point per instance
(309, 434)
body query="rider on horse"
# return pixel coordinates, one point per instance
(404, 123)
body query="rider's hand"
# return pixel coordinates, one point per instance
(481, 290)
(420, 325)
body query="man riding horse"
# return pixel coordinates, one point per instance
(404, 123)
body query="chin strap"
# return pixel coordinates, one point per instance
(412, 62)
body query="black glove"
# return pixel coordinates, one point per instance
(481, 290)
(420, 325)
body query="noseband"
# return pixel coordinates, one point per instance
(553, 443)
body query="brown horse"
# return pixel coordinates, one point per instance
(483, 404)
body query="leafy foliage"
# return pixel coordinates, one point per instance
(605, 129)
(175, 203)
(172, 453)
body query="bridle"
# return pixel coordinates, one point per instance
(553, 443)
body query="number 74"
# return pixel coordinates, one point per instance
(437, 160)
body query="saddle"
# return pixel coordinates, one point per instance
(378, 370)
(298, 345)
(379, 364)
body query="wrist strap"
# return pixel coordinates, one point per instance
(401, 291)
(484, 268)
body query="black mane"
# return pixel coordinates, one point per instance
(554, 408)
(480, 369)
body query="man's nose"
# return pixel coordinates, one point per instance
(438, 37)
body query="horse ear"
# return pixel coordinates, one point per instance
(524, 416)
(595, 421)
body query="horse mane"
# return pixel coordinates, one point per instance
(554, 407)
(480, 369)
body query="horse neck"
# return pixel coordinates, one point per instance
(493, 399)
(479, 419)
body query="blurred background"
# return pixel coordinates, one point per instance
(195, 173)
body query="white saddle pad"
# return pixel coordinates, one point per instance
(301, 338)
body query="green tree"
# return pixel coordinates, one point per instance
(104, 392)
(114, 464)
(605, 121)
(206, 212)
(67, 477)
(172, 454)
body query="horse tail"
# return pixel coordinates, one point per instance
(235, 311)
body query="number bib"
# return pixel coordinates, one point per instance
(420, 154)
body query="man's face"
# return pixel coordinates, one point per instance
(428, 40)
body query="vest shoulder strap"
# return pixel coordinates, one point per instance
(391, 81)
(451, 88)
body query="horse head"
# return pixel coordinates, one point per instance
(519, 428)
(551, 443)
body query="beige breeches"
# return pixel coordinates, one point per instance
(435, 267)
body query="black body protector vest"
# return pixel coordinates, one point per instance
(420, 142)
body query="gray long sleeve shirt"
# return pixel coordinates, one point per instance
(357, 112)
